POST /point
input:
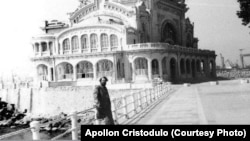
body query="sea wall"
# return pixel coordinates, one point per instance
(52, 101)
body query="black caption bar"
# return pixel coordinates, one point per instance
(173, 132)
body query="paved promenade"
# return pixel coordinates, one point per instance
(226, 103)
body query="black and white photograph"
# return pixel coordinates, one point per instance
(70, 64)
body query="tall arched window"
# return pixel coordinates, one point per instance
(155, 67)
(85, 70)
(42, 72)
(113, 41)
(141, 66)
(36, 47)
(75, 43)
(169, 34)
(44, 47)
(104, 41)
(93, 41)
(84, 41)
(104, 68)
(66, 46)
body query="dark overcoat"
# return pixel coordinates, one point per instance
(102, 104)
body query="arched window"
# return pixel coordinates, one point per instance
(169, 34)
(85, 70)
(66, 46)
(64, 71)
(141, 66)
(84, 41)
(42, 72)
(68, 69)
(36, 47)
(113, 41)
(44, 47)
(75, 43)
(104, 68)
(104, 41)
(93, 41)
(155, 67)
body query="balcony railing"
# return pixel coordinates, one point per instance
(132, 47)
(85, 50)
(167, 47)
(75, 51)
(85, 75)
(141, 72)
(115, 48)
(66, 52)
(45, 53)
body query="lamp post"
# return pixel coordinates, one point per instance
(242, 59)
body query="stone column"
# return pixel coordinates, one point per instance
(88, 43)
(191, 69)
(115, 68)
(195, 68)
(178, 68)
(109, 43)
(206, 67)
(160, 68)
(40, 48)
(214, 70)
(61, 48)
(133, 71)
(185, 68)
(74, 73)
(149, 70)
(54, 74)
(49, 74)
(95, 71)
(99, 49)
(80, 45)
(48, 48)
(70, 46)
(55, 46)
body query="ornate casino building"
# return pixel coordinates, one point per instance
(128, 41)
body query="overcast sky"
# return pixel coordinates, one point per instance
(216, 25)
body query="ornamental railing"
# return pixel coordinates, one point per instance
(167, 47)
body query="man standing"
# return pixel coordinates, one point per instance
(102, 103)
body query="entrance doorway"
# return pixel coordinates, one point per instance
(173, 74)
(193, 68)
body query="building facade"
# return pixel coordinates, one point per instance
(127, 41)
